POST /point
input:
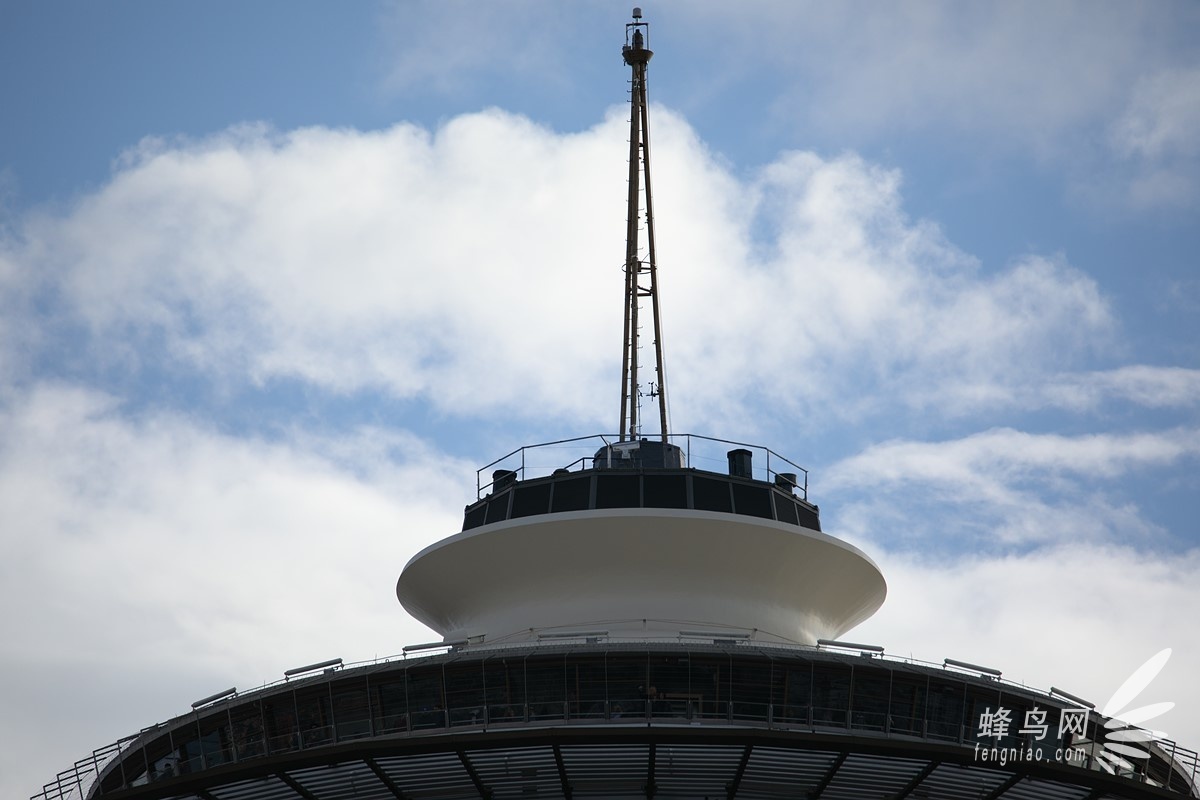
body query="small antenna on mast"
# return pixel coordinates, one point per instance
(641, 274)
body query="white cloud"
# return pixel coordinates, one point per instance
(1145, 386)
(169, 561)
(1003, 488)
(1081, 617)
(1074, 87)
(480, 267)
(394, 259)
(856, 302)
(1017, 71)
(1162, 117)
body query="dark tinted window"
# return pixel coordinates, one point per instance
(391, 704)
(572, 495)
(497, 508)
(546, 687)
(785, 509)
(475, 517)
(754, 501)
(711, 494)
(808, 517)
(945, 712)
(464, 693)
(618, 491)
(530, 500)
(665, 491)
(870, 698)
(908, 703)
(831, 694)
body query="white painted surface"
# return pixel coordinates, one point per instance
(641, 573)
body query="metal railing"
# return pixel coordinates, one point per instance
(74, 783)
(704, 453)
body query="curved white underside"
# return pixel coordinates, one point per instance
(641, 573)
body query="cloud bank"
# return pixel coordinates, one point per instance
(473, 267)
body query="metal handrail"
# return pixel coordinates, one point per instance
(481, 487)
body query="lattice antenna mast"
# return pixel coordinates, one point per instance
(640, 274)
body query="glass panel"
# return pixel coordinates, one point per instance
(627, 684)
(665, 491)
(497, 507)
(187, 756)
(312, 708)
(670, 686)
(944, 719)
(975, 727)
(908, 704)
(216, 744)
(754, 501)
(505, 682)
(831, 695)
(279, 713)
(545, 684)
(796, 699)
(808, 517)
(391, 703)
(870, 698)
(751, 687)
(572, 495)
(249, 739)
(711, 494)
(618, 491)
(586, 687)
(426, 700)
(475, 517)
(351, 713)
(531, 500)
(785, 508)
(464, 692)
(709, 680)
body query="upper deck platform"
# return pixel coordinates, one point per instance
(600, 472)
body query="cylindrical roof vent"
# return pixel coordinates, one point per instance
(502, 479)
(740, 465)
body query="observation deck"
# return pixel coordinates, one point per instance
(641, 539)
(621, 720)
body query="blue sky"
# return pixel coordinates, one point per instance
(275, 280)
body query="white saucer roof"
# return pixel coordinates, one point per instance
(641, 573)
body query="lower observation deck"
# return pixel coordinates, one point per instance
(621, 720)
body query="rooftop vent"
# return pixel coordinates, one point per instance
(740, 463)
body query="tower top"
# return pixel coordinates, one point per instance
(637, 40)
(641, 272)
